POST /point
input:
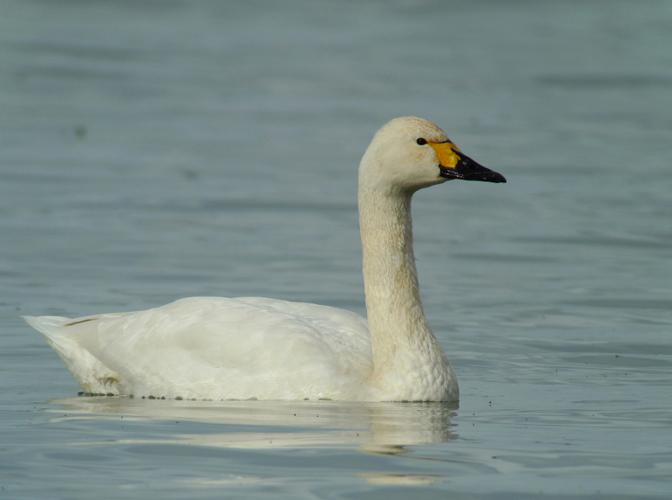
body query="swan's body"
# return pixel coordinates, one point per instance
(219, 348)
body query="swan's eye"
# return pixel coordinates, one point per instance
(421, 141)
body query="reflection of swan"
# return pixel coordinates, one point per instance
(375, 427)
(270, 349)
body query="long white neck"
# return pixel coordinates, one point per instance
(407, 360)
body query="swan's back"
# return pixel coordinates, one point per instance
(217, 348)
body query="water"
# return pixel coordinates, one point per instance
(155, 150)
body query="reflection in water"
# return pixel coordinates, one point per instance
(394, 479)
(382, 428)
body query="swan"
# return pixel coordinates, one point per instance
(263, 348)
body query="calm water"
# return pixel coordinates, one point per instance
(154, 150)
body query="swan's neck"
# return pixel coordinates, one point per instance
(401, 339)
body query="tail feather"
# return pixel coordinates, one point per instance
(46, 324)
(93, 376)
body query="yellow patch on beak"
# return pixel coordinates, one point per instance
(446, 152)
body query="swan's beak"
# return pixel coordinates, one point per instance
(453, 164)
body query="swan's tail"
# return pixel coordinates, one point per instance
(61, 334)
(46, 325)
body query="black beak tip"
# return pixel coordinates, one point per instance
(469, 170)
(498, 178)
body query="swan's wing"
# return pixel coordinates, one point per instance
(216, 348)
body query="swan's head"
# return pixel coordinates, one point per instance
(410, 153)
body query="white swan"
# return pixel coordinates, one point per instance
(246, 348)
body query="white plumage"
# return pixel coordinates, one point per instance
(243, 348)
(218, 348)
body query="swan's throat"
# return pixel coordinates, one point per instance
(400, 336)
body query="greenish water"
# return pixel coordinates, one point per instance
(154, 150)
